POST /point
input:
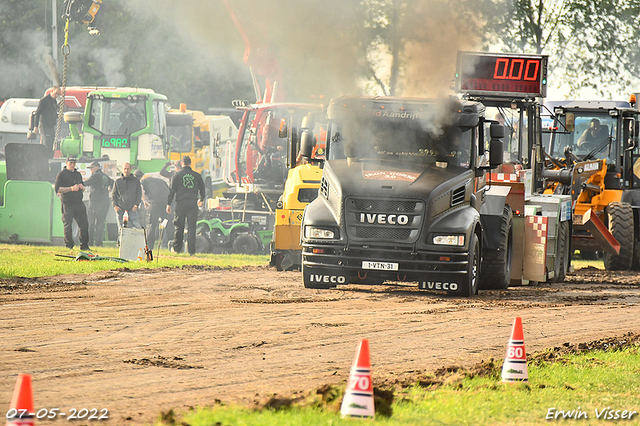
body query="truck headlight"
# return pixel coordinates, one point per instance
(318, 233)
(449, 240)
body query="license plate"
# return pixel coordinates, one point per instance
(380, 266)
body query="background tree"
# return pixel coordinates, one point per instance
(590, 43)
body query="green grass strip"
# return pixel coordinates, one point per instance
(583, 389)
(42, 261)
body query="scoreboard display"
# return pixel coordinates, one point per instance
(480, 73)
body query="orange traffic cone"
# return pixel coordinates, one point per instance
(21, 411)
(514, 368)
(358, 398)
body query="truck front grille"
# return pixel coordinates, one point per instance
(383, 221)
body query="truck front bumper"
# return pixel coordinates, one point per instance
(433, 270)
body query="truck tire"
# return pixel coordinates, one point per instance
(470, 287)
(620, 222)
(496, 264)
(312, 284)
(245, 244)
(563, 253)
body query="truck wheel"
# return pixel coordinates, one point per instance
(306, 274)
(245, 244)
(470, 287)
(620, 220)
(563, 254)
(496, 264)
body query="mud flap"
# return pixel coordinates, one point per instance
(323, 278)
(448, 286)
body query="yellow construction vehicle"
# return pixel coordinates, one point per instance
(593, 157)
(300, 188)
(204, 138)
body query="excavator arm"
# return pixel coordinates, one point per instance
(260, 61)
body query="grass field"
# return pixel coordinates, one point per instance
(42, 261)
(599, 387)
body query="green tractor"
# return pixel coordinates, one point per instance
(231, 236)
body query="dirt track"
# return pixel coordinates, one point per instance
(137, 343)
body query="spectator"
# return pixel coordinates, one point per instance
(185, 186)
(165, 172)
(154, 195)
(69, 188)
(46, 118)
(126, 196)
(101, 185)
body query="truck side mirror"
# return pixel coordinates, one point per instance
(496, 145)
(306, 144)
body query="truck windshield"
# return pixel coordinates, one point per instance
(584, 133)
(117, 116)
(179, 138)
(405, 141)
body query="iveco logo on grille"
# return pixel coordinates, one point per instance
(384, 219)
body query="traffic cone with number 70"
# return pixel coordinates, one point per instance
(514, 368)
(21, 411)
(358, 398)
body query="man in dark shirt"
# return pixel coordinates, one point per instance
(101, 186)
(185, 186)
(154, 194)
(126, 196)
(46, 118)
(69, 188)
(594, 135)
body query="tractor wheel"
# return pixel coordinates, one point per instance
(245, 244)
(202, 244)
(620, 221)
(470, 287)
(496, 264)
(563, 254)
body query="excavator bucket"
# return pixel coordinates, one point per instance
(600, 233)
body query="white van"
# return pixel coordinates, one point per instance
(14, 120)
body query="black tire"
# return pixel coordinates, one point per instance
(563, 256)
(470, 287)
(496, 264)
(245, 244)
(202, 244)
(312, 284)
(620, 222)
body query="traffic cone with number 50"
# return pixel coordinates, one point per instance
(358, 398)
(514, 368)
(21, 411)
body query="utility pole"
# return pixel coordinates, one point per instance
(54, 32)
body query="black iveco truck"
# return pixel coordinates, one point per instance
(401, 192)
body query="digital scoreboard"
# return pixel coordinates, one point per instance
(501, 74)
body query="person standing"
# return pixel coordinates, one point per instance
(69, 188)
(101, 186)
(154, 195)
(185, 186)
(126, 196)
(46, 118)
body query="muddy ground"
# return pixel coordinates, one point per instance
(142, 342)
